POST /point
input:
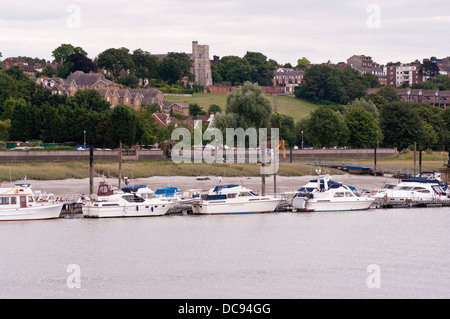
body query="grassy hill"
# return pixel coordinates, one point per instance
(285, 104)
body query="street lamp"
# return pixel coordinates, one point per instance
(84, 140)
(302, 139)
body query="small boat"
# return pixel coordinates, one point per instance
(414, 189)
(232, 199)
(358, 170)
(111, 201)
(169, 193)
(140, 190)
(21, 203)
(323, 195)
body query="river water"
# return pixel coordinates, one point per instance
(279, 255)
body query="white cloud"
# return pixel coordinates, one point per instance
(283, 31)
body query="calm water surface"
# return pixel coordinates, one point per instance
(285, 255)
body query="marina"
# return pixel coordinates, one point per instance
(217, 195)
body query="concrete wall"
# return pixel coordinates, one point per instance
(63, 156)
(158, 155)
(338, 153)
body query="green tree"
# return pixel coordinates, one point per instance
(303, 63)
(234, 69)
(362, 127)
(368, 105)
(429, 69)
(326, 128)
(123, 125)
(146, 65)
(175, 67)
(49, 71)
(251, 106)
(354, 90)
(15, 84)
(286, 126)
(91, 100)
(116, 61)
(384, 95)
(214, 108)
(262, 71)
(435, 125)
(371, 80)
(4, 130)
(64, 55)
(323, 83)
(401, 125)
(80, 62)
(65, 51)
(195, 110)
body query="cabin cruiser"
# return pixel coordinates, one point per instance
(232, 199)
(413, 189)
(324, 195)
(21, 203)
(111, 201)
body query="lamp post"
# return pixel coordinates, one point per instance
(84, 148)
(378, 140)
(302, 139)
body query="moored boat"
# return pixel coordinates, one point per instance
(21, 203)
(358, 170)
(110, 202)
(414, 189)
(329, 196)
(232, 199)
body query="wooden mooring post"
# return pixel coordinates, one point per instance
(91, 169)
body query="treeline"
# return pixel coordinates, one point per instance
(325, 84)
(134, 68)
(357, 119)
(31, 112)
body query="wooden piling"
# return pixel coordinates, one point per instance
(91, 169)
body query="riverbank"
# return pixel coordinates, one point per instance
(404, 162)
(80, 170)
(74, 187)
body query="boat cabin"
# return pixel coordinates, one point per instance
(228, 191)
(105, 189)
(19, 196)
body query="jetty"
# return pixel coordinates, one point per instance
(412, 203)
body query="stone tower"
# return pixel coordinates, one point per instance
(202, 64)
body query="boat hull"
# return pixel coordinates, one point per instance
(109, 210)
(333, 206)
(229, 206)
(358, 170)
(38, 212)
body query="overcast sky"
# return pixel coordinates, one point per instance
(321, 30)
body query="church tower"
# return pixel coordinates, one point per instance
(202, 64)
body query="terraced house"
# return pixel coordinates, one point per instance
(109, 90)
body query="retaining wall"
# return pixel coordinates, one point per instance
(65, 156)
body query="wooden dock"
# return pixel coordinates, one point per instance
(412, 203)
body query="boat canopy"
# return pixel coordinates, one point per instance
(133, 189)
(331, 184)
(420, 180)
(220, 187)
(168, 191)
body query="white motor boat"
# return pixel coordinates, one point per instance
(329, 196)
(21, 203)
(232, 199)
(415, 189)
(113, 202)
